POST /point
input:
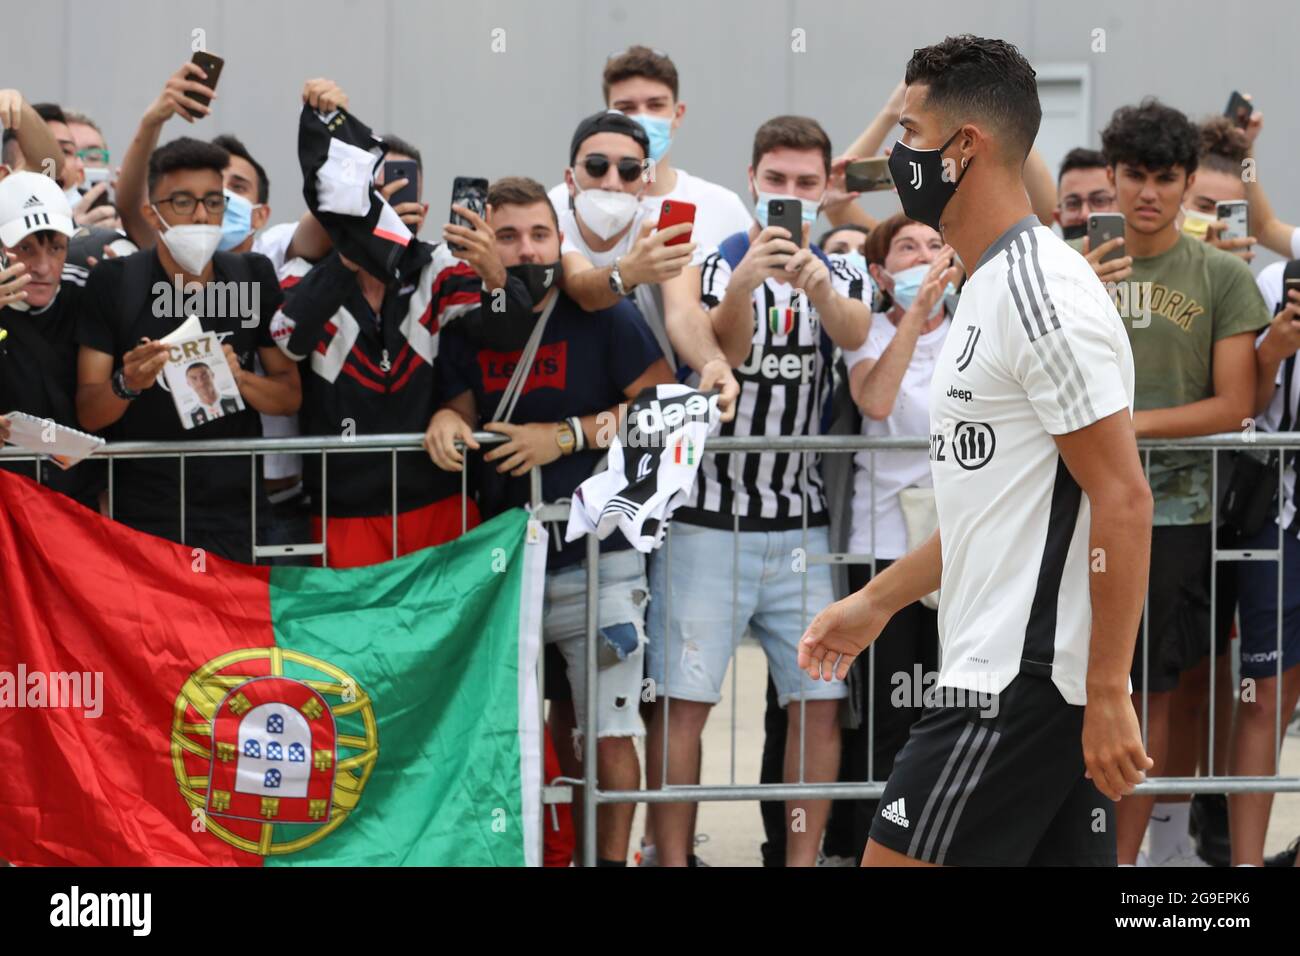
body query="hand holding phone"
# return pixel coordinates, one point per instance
(408, 169)
(674, 212)
(470, 192)
(211, 64)
(1239, 109)
(787, 213)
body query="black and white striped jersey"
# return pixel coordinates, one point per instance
(1283, 411)
(1036, 349)
(785, 389)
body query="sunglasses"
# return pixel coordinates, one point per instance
(629, 167)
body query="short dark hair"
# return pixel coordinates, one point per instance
(791, 132)
(395, 144)
(1151, 135)
(199, 364)
(185, 153)
(848, 226)
(639, 61)
(1081, 157)
(235, 148)
(520, 191)
(974, 78)
(1223, 145)
(50, 112)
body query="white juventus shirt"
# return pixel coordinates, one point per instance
(1036, 349)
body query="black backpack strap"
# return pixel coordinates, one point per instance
(135, 294)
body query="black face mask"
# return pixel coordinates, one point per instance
(1077, 231)
(923, 188)
(538, 277)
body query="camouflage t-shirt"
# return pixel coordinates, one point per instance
(1176, 306)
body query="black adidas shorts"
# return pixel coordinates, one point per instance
(999, 782)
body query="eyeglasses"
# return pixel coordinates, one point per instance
(629, 167)
(1099, 201)
(94, 154)
(183, 203)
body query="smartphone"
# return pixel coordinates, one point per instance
(868, 175)
(210, 64)
(470, 192)
(1239, 109)
(673, 212)
(1103, 227)
(787, 213)
(1236, 213)
(1290, 283)
(94, 176)
(408, 169)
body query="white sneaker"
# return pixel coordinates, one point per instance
(1186, 856)
(647, 856)
(836, 860)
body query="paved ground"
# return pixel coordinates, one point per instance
(735, 830)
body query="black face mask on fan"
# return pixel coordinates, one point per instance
(506, 326)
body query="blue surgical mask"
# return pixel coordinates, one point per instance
(660, 132)
(807, 208)
(236, 223)
(908, 283)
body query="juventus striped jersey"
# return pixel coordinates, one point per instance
(1036, 349)
(1283, 411)
(785, 389)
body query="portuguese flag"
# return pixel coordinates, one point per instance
(159, 706)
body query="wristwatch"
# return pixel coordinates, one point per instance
(616, 280)
(119, 386)
(565, 438)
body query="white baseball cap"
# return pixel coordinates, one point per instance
(31, 202)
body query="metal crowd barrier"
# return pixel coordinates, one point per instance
(806, 447)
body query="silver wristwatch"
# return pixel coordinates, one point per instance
(616, 280)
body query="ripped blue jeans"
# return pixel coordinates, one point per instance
(624, 593)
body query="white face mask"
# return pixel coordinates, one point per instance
(605, 212)
(191, 245)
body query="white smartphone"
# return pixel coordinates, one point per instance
(1236, 213)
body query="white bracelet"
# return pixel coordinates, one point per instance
(579, 439)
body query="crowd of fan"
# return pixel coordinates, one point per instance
(722, 303)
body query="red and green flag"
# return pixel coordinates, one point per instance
(160, 706)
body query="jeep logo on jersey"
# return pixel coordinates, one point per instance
(659, 415)
(972, 444)
(779, 364)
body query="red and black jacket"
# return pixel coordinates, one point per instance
(364, 374)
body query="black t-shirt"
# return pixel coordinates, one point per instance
(38, 375)
(145, 490)
(584, 365)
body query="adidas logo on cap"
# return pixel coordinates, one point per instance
(32, 201)
(896, 813)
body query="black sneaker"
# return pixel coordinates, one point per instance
(1208, 827)
(1284, 857)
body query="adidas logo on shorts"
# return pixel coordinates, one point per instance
(896, 813)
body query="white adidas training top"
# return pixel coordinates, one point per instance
(1036, 349)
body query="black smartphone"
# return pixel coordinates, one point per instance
(210, 64)
(1103, 227)
(408, 169)
(470, 192)
(1290, 283)
(787, 213)
(868, 175)
(1239, 109)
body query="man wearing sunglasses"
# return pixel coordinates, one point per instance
(612, 248)
(129, 306)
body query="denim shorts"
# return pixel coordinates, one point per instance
(621, 636)
(695, 626)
